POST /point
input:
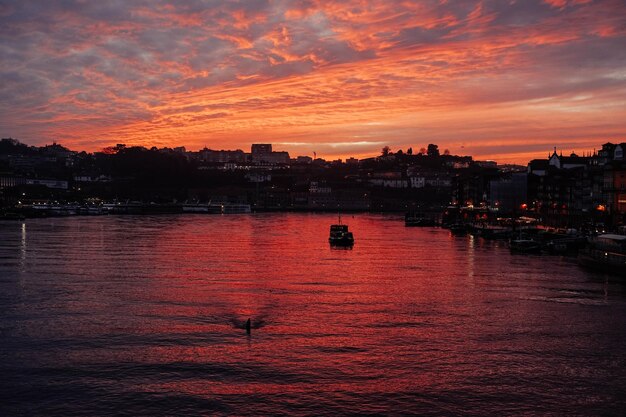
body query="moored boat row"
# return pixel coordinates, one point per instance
(60, 209)
(605, 253)
(418, 219)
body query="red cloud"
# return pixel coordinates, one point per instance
(479, 72)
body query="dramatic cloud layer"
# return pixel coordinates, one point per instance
(493, 78)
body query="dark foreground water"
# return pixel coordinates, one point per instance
(145, 316)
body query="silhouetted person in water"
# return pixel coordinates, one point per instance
(248, 326)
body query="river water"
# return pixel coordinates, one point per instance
(135, 315)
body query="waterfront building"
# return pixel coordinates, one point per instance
(567, 162)
(317, 188)
(471, 186)
(84, 178)
(353, 199)
(259, 176)
(605, 154)
(509, 193)
(390, 179)
(7, 181)
(420, 177)
(538, 167)
(572, 190)
(417, 181)
(615, 192)
(49, 183)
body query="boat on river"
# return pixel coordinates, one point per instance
(458, 229)
(418, 219)
(566, 245)
(340, 235)
(491, 232)
(196, 207)
(234, 208)
(605, 253)
(55, 209)
(524, 246)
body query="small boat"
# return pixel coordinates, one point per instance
(92, 210)
(491, 232)
(233, 208)
(458, 229)
(128, 207)
(566, 245)
(55, 209)
(339, 235)
(524, 246)
(196, 207)
(605, 253)
(415, 219)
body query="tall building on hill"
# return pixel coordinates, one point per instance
(261, 149)
(261, 153)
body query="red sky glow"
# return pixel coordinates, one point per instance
(505, 80)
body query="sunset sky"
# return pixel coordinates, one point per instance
(504, 80)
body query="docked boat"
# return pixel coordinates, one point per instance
(524, 246)
(232, 208)
(416, 219)
(92, 210)
(605, 253)
(458, 229)
(208, 208)
(492, 232)
(128, 207)
(340, 235)
(55, 209)
(566, 245)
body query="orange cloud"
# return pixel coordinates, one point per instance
(503, 80)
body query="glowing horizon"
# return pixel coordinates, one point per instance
(494, 80)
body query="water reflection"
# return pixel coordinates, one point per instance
(23, 247)
(148, 314)
(470, 255)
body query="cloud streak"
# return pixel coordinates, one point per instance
(471, 74)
